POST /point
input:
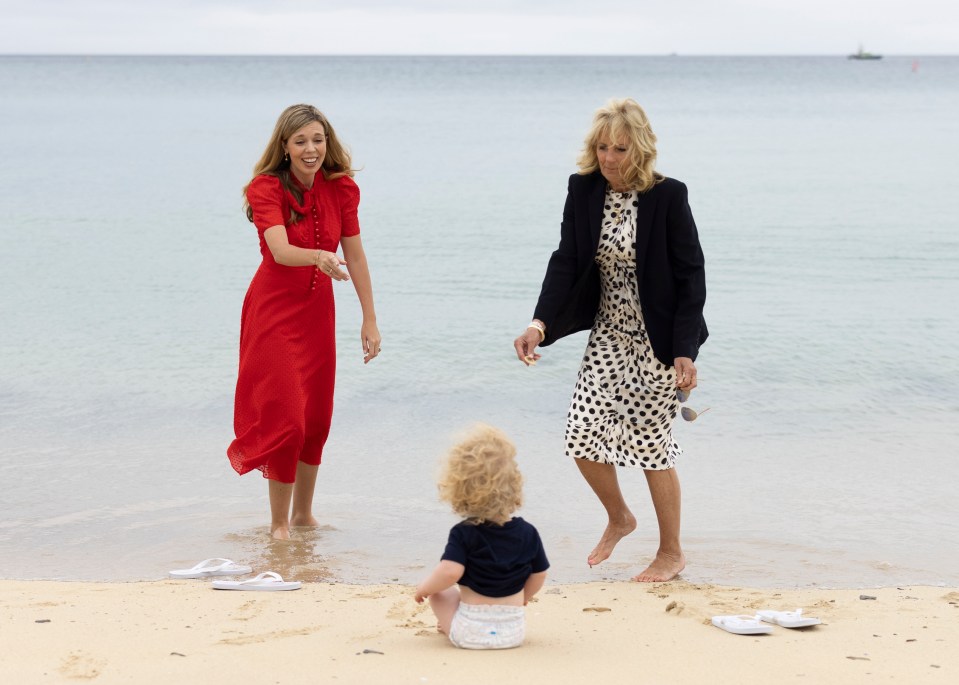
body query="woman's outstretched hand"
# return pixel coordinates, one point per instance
(525, 346)
(685, 373)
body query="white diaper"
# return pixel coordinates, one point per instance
(488, 626)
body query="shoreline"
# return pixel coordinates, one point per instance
(183, 631)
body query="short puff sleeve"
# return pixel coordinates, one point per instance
(349, 196)
(266, 198)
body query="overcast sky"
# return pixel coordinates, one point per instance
(594, 27)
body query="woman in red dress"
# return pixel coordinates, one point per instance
(303, 202)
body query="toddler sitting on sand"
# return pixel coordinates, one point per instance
(497, 559)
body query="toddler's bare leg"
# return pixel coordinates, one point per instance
(444, 605)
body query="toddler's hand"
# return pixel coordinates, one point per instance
(419, 597)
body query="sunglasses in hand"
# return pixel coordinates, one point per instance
(688, 413)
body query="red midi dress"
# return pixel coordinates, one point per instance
(284, 391)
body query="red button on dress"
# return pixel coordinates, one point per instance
(284, 390)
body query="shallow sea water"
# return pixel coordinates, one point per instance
(824, 191)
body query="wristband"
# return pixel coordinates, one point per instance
(539, 327)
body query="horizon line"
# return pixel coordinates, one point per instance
(448, 55)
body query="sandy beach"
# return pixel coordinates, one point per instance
(177, 631)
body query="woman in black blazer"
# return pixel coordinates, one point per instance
(630, 268)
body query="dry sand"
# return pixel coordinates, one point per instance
(184, 632)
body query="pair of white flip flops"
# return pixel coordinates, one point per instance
(763, 622)
(265, 582)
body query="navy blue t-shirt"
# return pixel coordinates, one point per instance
(498, 559)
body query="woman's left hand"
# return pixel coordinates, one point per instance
(370, 337)
(685, 373)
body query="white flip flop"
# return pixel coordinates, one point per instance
(265, 582)
(787, 619)
(742, 625)
(212, 567)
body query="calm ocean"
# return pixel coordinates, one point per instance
(825, 191)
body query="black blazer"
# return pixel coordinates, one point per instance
(669, 268)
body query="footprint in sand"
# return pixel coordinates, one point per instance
(264, 637)
(248, 611)
(675, 608)
(411, 623)
(400, 612)
(369, 595)
(81, 666)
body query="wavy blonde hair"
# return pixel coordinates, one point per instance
(624, 119)
(273, 161)
(480, 477)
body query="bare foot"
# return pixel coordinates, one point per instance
(309, 520)
(664, 567)
(614, 533)
(280, 532)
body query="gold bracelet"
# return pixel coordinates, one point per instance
(538, 327)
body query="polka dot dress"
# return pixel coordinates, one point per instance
(624, 402)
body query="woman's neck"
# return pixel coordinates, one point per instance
(307, 182)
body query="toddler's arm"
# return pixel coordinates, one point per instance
(533, 585)
(443, 576)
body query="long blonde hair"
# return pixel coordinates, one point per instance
(623, 119)
(273, 162)
(481, 479)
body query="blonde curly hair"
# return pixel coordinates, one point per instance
(480, 478)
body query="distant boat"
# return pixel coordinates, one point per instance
(862, 54)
